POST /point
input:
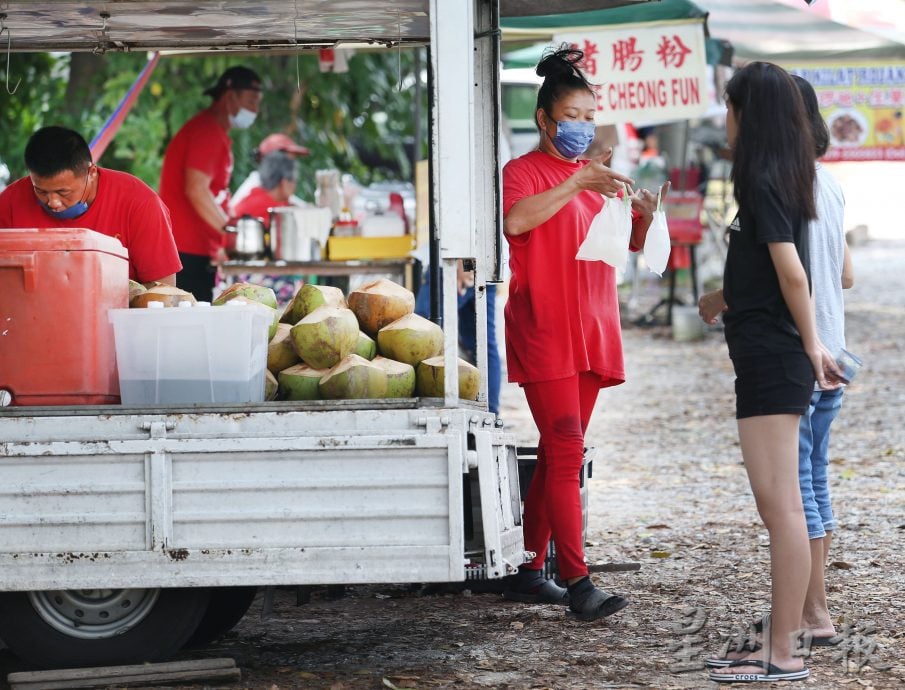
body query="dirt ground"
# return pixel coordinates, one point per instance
(669, 492)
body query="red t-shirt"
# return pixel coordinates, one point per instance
(203, 145)
(562, 315)
(255, 204)
(124, 208)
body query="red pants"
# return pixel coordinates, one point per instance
(561, 409)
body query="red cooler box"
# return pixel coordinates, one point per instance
(56, 342)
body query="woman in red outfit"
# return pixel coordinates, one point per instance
(563, 338)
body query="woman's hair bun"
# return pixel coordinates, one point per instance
(561, 62)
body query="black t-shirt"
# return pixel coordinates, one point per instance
(758, 321)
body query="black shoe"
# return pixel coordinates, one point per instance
(590, 603)
(530, 587)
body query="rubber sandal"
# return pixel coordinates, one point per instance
(723, 662)
(599, 604)
(773, 673)
(547, 593)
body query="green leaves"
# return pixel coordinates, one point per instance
(361, 122)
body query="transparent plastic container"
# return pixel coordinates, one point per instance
(191, 354)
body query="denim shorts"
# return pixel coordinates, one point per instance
(772, 384)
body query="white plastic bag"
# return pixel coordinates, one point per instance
(656, 244)
(609, 233)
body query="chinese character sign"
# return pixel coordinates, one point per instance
(645, 74)
(863, 105)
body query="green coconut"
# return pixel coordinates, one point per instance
(365, 346)
(400, 377)
(275, 315)
(430, 379)
(379, 303)
(410, 339)
(299, 382)
(354, 378)
(135, 289)
(310, 297)
(271, 386)
(280, 353)
(255, 293)
(325, 336)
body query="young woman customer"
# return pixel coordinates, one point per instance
(563, 338)
(772, 337)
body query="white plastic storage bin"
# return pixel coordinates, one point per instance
(191, 354)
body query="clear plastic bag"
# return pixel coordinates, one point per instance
(609, 233)
(657, 245)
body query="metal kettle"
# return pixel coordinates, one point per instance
(245, 240)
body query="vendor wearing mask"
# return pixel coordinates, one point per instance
(197, 167)
(65, 189)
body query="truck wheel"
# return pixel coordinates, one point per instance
(226, 608)
(96, 627)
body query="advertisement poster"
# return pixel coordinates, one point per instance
(863, 105)
(646, 74)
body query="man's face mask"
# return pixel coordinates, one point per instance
(243, 119)
(77, 209)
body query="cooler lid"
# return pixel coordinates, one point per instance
(59, 240)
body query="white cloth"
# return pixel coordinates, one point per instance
(827, 252)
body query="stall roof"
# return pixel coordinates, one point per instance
(69, 25)
(771, 30)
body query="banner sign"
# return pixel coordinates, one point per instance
(863, 105)
(645, 73)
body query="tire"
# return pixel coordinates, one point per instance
(73, 628)
(226, 608)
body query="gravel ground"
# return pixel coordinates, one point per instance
(669, 492)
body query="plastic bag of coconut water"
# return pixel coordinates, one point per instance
(656, 244)
(609, 233)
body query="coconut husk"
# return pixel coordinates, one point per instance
(431, 383)
(325, 336)
(168, 294)
(310, 297)
(299, 382)
(379, 303)
(400, 377)
(410, 339)
(354, 378)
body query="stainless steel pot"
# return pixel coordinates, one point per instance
(298, 233)
(245, 240)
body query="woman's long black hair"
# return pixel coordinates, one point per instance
(561, 74)
(819, 129)
(774, 146)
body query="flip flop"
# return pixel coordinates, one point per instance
(773, 673)
(723, 662)
(547, 593)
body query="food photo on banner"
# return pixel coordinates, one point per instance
(863, 104)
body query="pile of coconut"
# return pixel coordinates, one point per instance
(324, 346)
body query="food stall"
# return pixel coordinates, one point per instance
(156, 519)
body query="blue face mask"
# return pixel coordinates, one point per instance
(77, 209)
(573, 138)
(244, 119)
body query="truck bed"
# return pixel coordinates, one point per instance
(264, 494)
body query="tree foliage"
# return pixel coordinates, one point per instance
(361, 122)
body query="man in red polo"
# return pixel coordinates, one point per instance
(64, 188)
(197, 167)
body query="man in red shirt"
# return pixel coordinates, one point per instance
(65, 189)
(278, 173)
(197, 167)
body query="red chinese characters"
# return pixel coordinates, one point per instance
(672, 52)
(626, 55)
